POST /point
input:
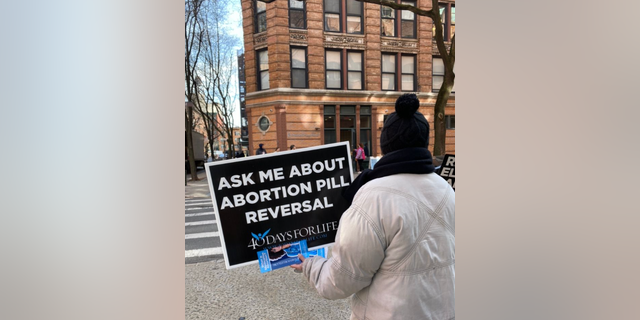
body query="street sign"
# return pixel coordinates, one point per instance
(264, 201)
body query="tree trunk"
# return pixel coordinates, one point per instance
(439, 127)
(192, 160)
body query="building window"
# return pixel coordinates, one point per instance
(348, 125)
(438, 75)
(332, 15)
(297, 15)
(334, 18)
(408, 73)
(452, 19)
(354, 16)
(448, 17)
(365, 128)
(333, 69)
(263, 70)
(298, 67)
(354, 70)
(329, 124)
(407, 66)
(388, 72)
(347, 116)
(408, 22)
(261, 16)
(390, 17)
(450, 122)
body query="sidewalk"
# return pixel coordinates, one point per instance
(197, 189)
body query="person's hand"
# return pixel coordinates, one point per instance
(297, 268)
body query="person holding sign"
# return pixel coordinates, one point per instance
(395, 244)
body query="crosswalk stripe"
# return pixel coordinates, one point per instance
(202, 252)
(199, 214)
(198, 208)
(201, 235)
(198, 204)
(199, 223)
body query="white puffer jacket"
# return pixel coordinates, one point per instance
(395, 249)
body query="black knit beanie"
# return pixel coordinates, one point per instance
(405, 128)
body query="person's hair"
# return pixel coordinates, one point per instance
(361, 145)
(277, 149)
(292, 146)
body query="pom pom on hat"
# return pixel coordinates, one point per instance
(405, 128)
(407, 105)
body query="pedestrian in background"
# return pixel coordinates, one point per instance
(261, 150)
(292, 147)
(395, 245)
(360, 156)
(277, 149)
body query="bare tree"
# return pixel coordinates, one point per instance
(216, 92)
(448, 59)
(193, 36)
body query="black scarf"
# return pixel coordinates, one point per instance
(407, 160)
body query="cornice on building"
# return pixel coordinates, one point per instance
(343, 97)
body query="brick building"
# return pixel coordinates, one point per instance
(323, 71)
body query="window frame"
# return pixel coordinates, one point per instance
(259, 71)
(448, 119)
(333, 129)
(415, 71)
(304, 14)
(361, 71)
(306, 66)
(347, 15)
(398, 20)
(340, 69)
(395, 72)
(382, 18)
(414, 20)
(325, 12)
(447, 21)
(433, 88)
(257, 16)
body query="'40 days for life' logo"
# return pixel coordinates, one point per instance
(260, 236)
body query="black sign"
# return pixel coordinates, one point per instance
(266, 200)
(447, 169)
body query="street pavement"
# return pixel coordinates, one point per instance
(212, 292)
